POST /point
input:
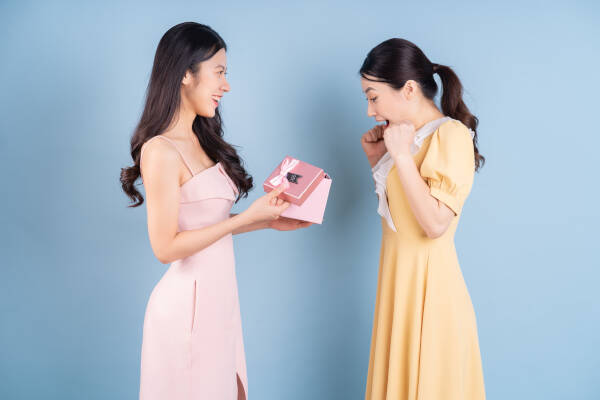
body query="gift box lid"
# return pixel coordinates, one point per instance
(303, 178)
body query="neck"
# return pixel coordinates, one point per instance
(427, 114)
(181, 128)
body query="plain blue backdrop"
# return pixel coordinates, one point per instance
(77, 267)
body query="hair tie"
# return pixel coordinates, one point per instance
(435, 67)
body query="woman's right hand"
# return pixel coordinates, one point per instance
(373, 144)
(268, 207)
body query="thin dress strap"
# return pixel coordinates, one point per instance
(174, 145)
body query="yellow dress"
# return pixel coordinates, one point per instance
(424, 344)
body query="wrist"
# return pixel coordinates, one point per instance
(242, 219)
(245, 220)
(403, 158)
(373, 160)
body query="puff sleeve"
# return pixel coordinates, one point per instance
(449, 164)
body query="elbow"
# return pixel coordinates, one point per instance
(163, 260)
(162, 257)
(435, 231)
(162, 248)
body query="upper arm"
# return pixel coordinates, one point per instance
(449, 168)
(160, 168)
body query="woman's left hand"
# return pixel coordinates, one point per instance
(288, 224)
(399, 138)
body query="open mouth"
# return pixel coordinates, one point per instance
(216, 100)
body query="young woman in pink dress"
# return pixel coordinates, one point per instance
(192, 340)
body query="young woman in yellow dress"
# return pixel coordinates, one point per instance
(424, 343)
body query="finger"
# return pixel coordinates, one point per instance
(376, 135)
(302, 224)
(370, 136)
(278, 190)
(283, 207)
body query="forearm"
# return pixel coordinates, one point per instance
(250, 227)
(426, 208)
(186, 243)
(373, 159)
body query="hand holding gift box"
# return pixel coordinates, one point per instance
(307, 191)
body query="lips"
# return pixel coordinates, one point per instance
(216, 98)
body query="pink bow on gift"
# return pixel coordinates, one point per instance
(286, 166)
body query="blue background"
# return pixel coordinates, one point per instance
(77, 267)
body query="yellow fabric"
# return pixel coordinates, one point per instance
(424, 343)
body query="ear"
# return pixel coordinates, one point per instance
(187, 78)
(410, 89)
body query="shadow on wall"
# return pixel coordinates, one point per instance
(346, 285)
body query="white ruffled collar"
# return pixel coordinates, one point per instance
(385, 164)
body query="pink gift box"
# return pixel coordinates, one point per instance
(303, 178)
(308, 189)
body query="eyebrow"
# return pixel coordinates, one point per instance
(369, 89)
(220, 66)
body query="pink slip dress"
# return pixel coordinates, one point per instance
(192, 345)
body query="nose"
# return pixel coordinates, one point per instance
(226, 87)
(370, 111)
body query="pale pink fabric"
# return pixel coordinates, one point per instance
(192, 341)
(313, 208)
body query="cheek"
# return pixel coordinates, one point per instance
(202, 102)
(389, 109)
(380, 107)
(395, 107)
(201, 96)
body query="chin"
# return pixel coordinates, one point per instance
(209, 113)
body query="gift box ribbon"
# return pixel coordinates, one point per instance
(286, 166)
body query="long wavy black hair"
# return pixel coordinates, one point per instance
(182, 48)
(396, 61)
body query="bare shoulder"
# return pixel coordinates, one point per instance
(158, 155)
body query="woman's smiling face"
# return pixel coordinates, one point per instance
(202, 91)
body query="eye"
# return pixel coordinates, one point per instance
(372, 99)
